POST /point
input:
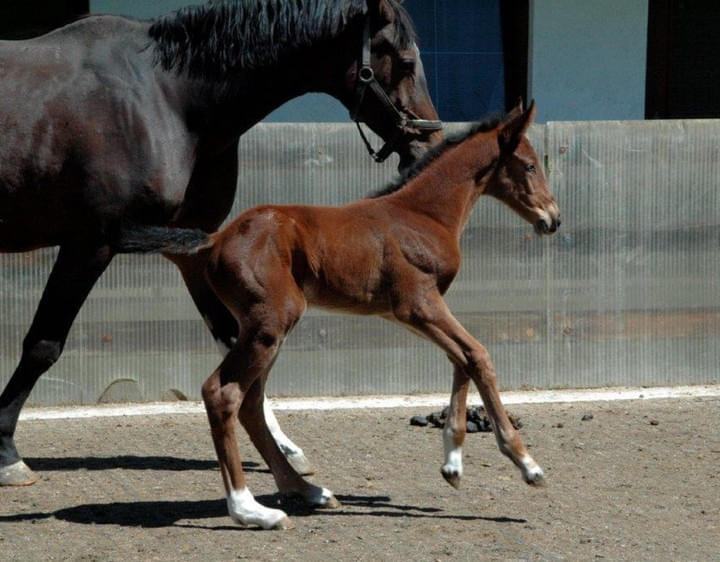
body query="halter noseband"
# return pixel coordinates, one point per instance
(366, 79)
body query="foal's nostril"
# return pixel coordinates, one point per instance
(547, 225)
(542, 227)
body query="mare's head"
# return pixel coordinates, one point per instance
(386, 86)
(363, 52)
(518, 179)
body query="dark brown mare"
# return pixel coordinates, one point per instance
(394, 256)
(111, 127)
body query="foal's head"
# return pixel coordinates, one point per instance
(518, 180)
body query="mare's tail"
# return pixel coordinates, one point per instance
(138, 239)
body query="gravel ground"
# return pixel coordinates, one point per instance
(636, 480)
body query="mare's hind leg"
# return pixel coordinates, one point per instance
(289, 482)
(434, 320)
(75, 272)
(225, 331)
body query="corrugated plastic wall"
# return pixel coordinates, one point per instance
(627, 292)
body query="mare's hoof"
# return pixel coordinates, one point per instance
(452, 478)
(17, 474)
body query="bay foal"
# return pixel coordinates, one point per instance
(394, 256)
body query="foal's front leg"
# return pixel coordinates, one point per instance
(434, 320)
(455, 428)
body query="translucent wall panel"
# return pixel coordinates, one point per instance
(627, 292)
(633, 277)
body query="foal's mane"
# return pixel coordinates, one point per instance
(214, 39)
(436, 152)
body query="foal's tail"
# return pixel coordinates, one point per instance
(138, 239)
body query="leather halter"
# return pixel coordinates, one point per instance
(404, 123)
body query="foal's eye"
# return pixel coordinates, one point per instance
(530, 168)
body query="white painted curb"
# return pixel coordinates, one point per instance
(364, 402)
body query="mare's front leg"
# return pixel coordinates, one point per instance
(224, 329)
(74, 273)
(432, 318)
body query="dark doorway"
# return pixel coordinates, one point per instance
(21, 19)
(475, 54)
(683, 60)
(515, 17)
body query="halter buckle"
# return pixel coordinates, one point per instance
(366, 79)
(366, 75)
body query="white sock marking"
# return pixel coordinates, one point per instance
(288, 448)
(244, 509)
(453, 454)
(531, 470)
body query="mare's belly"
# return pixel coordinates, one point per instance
(25, 226)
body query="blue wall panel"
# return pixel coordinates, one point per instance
(461, 46)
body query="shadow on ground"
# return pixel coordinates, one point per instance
(129, 462)
(151, 514)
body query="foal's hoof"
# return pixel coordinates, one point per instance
(17, 474)
(269, 520)
(283, 525)
(535, 478)
(330, 503)
(452, 478)
(322, 498)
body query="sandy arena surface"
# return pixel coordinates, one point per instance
(638, 481)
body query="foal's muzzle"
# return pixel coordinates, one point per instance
(547, 225)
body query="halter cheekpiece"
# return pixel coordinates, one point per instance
(366, 80)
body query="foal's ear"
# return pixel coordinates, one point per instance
(515, 125)
(515, 111)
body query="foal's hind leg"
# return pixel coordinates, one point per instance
(223, 393)
(289, 482)
(267, 304)
(225, 331)
(75, 272)
(434, 319)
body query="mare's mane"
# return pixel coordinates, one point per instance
(212, 40)
(436, 152)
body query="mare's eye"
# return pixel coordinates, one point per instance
(530, 168)
(407, 65)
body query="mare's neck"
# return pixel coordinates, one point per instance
(230, 108)
(448, 188)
